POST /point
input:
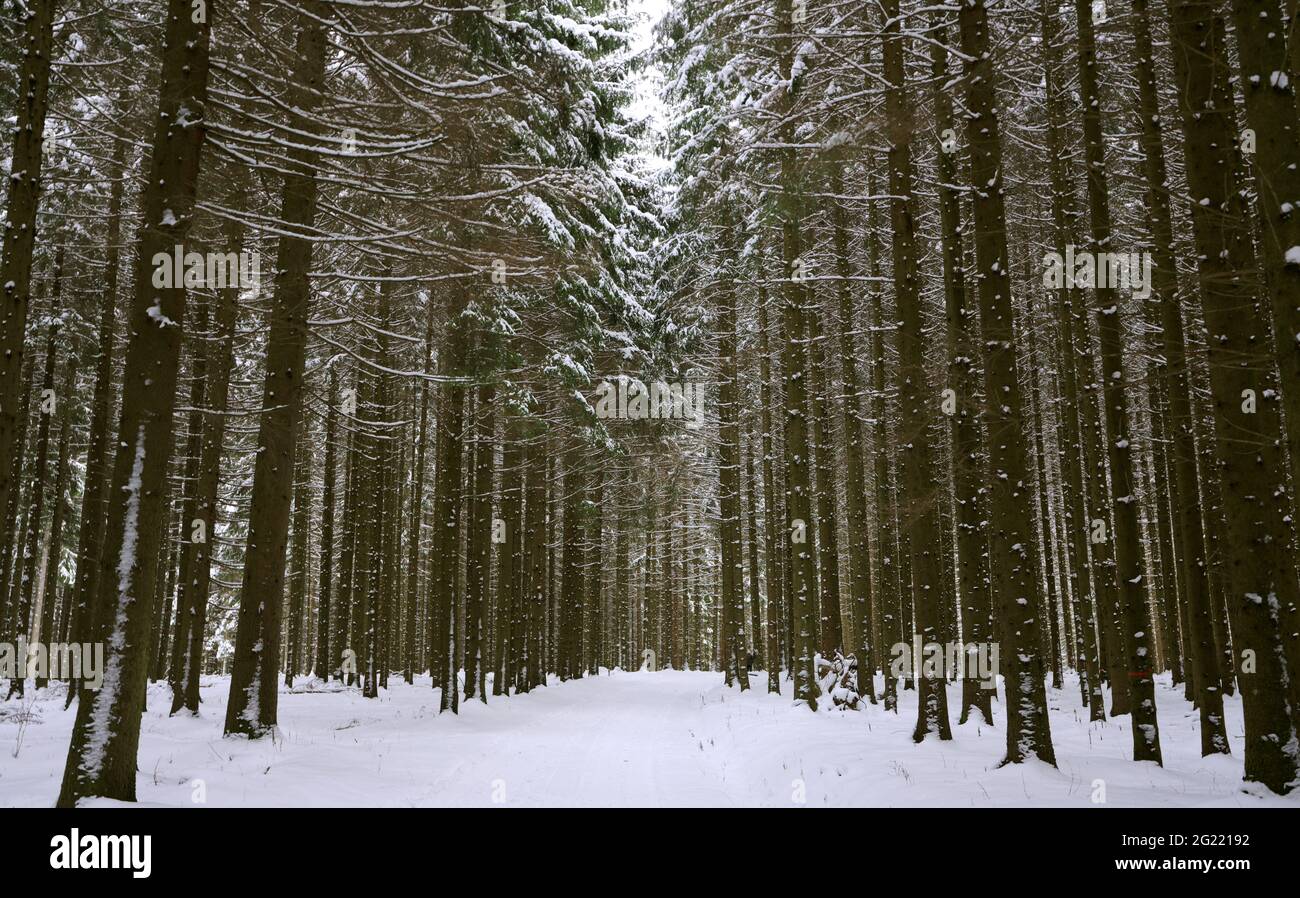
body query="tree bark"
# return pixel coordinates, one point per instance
(324, 664)
(1189, 537)
(102, 756)
(1258, 541)
(94, 501)
(1134, 612)
(254, 674)
(916, 404)
(20, 223)
(1010, 508)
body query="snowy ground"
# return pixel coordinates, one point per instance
(641, 739)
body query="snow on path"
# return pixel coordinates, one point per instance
(623, 739)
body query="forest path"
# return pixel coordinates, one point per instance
(621, 739)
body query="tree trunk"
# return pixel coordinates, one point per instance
(1189, 538)
(509, 558)
(751, 535)
(254, 673)
(54, 552)
(773, 541)
(1134, 613)
(196, 576)
(798, 506)
(963, 380)
(1258, 543)
(26, 568)
(729, 499)
(1268, 82)
(916, 404)
(1010, 506)
(94, 501)
(479, 546)
(860, 596)
(298, 566)
(102, 756)
(190, 496)
(20, 224)
(324, 665)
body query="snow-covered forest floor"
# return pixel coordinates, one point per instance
(624, 739)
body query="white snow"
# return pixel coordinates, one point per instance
(100, 729)
(620, 739)
(155, 313)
